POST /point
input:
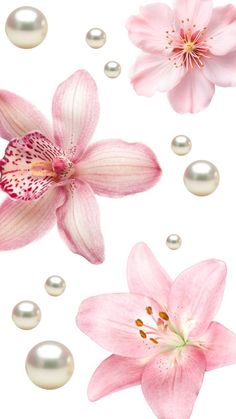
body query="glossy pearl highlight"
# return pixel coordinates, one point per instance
(112, 69)
(201, 178)
(49, 365)
(26, 27)
(181, 145)
(174, 241)
(96, 38)
(26, 315)
(55, 285)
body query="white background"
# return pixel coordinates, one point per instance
(207, 225)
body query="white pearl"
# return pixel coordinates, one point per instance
(173, 241)
(112, 69)
(26, 315)
(181, 145)
(201, 178)
(55, 285)
(49, 365)
(96, 38)
(26, 27)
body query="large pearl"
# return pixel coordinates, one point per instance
(26, 27)
(201, 178)
(26, 315)
(112, 69)
(181, 145)
(174, 241)
(96, 38)
(49, 365)
(55, 285)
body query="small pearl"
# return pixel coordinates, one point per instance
(49, 365)
(201, 178)
(96, 38)
(112, 69)
(181, 145)
(55, 285)
(26, 315)
(26, 27)
(173, 241)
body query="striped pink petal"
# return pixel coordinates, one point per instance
(75, 113)
(79, 224)
(18, 117)
(115, 168)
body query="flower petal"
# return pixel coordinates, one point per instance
(153, 73)
(193, 94)
(24, 222)
(220, 70)
(146, 276)
(172, 381)
(79, 224)
(75, 113)
(18, 117)
(116, 168)
(196, 296)
(148, 31)
(110, 320)
(114, 374)
(193, 12)
(220, 346)
(221, 31)
(26, 169)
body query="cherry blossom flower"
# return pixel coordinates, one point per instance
(162, 335)
(186, 51)
(52, 174)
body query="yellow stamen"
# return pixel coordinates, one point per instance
(143, 334)
(189, 47)
(139, 323)
(149, 310)
(154, 341)
(163, 315)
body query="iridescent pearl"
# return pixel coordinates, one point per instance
(26, 315)
(201, 178)
(112, 69)
(181, 145)
(55, 285)
(173, 241)
(49, 365)
(26, 27)
(96, 38)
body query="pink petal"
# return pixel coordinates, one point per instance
(24, 222)
(18, 117)
(220, 70)
(148, 30)
(114, 374)
(196, 296)
(153, 73)
(220, 346)
(75, 113)
(79, 223)
(26, 169)
(193, 12)
(172, 381)
(193, 94)
(221, 31)
(146, 276)
(116, 168)
(110, 320)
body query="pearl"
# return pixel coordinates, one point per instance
(55, 285)
(26, 315)
(173, 241)
(181, 145)
(26, 27)
(96, 38)
(49, 365)
(201, 178)
(112, 69)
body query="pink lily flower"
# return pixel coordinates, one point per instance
(52, 174)
(186, 51)
(162, 335)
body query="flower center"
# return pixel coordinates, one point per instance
(58, 168)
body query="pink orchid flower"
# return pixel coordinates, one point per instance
(161, 334)
(52, 175)
(187, 51)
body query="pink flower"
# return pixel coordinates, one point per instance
(186, 51)
(161, 334)
(52, 174)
